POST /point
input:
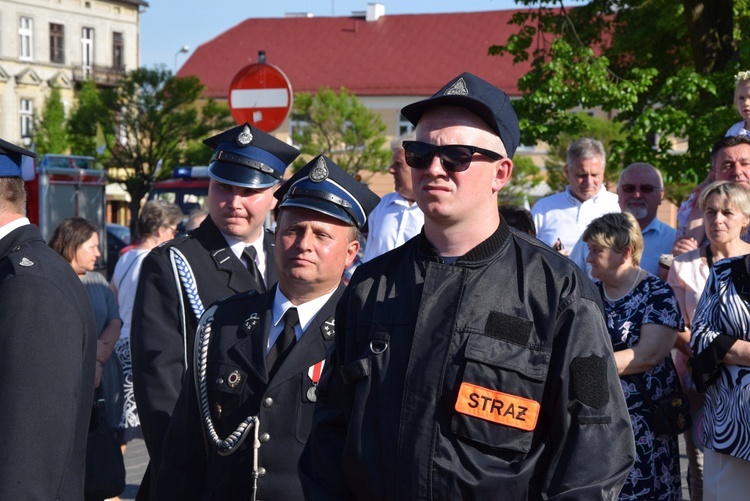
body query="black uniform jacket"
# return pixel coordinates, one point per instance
(163, 323)
(47, 355)
(238, 387)
(492, 378)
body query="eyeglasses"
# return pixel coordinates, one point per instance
(643, 188)
(453, 157)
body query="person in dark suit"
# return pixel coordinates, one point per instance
(47, 354)
(258, 357)
(228, 253)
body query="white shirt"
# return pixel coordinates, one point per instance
(657, 240)
(125, 280)
(306, 312)
(737, 129)
(16, 223)
(238, 247)
(392, 222)
(562, 216)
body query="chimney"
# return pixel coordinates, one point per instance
(374, 12)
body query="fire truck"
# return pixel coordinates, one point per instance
(188, 188)
(61, 186)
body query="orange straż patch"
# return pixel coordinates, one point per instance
(497, 407)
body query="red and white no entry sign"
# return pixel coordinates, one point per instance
(261, 95)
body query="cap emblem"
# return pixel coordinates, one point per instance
(245, 137)
(457, 89)
(319, 172)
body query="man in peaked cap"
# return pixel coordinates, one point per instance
(473, 361)
(47, 354)
(229, 252)
(259, 357)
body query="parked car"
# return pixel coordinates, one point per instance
(118, 237)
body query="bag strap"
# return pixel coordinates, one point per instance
(639, 383)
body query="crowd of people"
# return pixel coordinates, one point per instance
(475, 350)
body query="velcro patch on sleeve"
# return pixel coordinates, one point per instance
(589, 375)
(497, 407)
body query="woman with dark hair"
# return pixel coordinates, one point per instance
(643, 318)
(157, 223)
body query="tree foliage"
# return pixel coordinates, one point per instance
(664, 68)
(83, 123)
(340, 127)
(50, 135)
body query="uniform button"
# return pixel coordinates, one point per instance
(268, 402)
(264, 437)
(261, 472)
(219, 381)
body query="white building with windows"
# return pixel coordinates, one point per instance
(60, 43)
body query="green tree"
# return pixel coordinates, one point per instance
(83, 124)
(148, 121)
(50, 135)
(340, 127)
(663, 67)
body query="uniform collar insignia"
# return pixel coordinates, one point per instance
(26, 262)
(251, 323)
(457, 89)
(245, 137)
(320, 171)
(329, 328)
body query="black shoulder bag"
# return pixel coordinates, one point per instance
(105, 467)
(671, 413)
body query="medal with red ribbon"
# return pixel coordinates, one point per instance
(314, 373)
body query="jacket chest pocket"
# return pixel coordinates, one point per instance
(499, 396)
(227, 384)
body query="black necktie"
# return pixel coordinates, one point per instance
(284, 342)
(250, 254)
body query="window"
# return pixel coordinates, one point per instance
(87, 50)
(118, 51)
(26, 38)
(26, 113)
(296, 127)
(56, 43)
(404, 126)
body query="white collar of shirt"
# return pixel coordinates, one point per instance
(15, 224)
(574, 200)
(400, 200)
(306, 311)
(238, 247)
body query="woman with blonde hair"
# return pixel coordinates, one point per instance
(642, 317)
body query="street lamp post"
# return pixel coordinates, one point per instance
(183, 50)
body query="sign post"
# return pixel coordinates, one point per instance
(261, 95)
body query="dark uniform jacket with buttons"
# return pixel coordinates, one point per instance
(237, 387)
(492, 378)
(47, 355)
(163, 324)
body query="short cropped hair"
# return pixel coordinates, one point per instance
(70, 234)
(735, 194)
(156, 214)
(616, 231)
(518, 218)
(727, 142)
(12, 195)
(586, 147)
(397, 141)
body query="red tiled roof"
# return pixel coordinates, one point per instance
(397, 55)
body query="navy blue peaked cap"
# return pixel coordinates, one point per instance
(11, 158)
(323, 186)
(481, 98)
(248, 157)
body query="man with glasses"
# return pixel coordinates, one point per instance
(640, 191)
(472, 362)
(560, 219)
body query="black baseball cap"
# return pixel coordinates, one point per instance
(481, 98)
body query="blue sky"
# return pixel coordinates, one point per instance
(168, 25)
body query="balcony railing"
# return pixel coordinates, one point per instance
(101, 75)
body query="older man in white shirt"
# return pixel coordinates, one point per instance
(560, 219)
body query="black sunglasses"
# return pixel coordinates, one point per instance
(643, 188)
(453, 157)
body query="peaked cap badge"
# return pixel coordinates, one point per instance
(251, 323)
(245, 137)
(26, 262)
(319, 172)
(457, 89)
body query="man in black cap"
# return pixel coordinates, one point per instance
(245, 409)
(228, 253)
(473, 361)
(47, 354)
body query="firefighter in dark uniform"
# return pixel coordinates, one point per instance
(229, 252)
(244, 412)
(47, 354)
(472, 362)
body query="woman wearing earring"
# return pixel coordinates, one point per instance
(643, 318)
